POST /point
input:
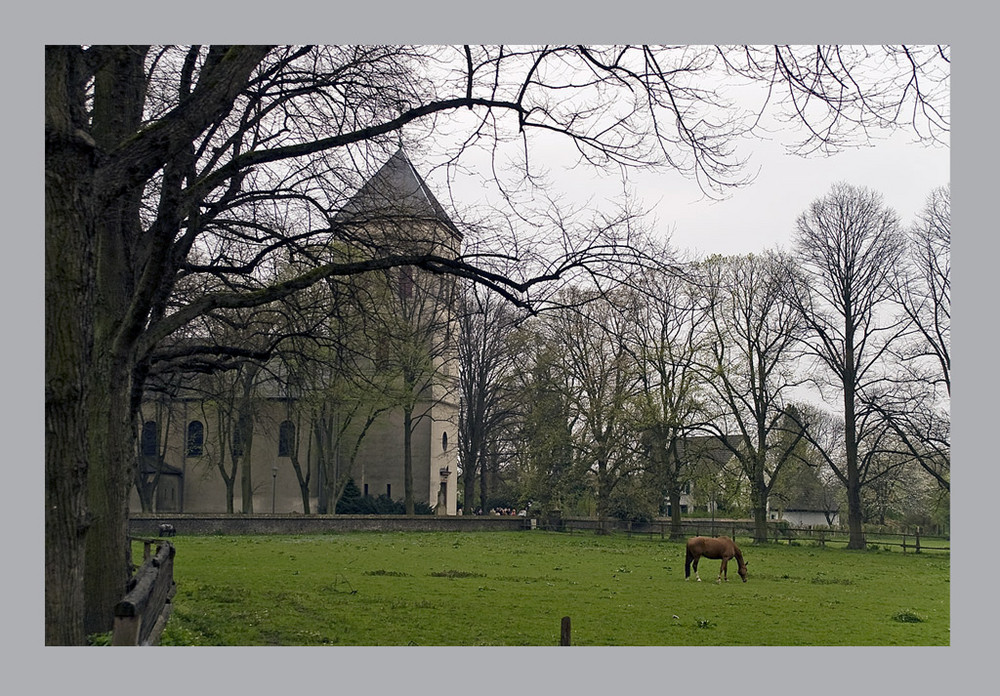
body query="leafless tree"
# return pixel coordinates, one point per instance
(602, 381)
(669, 330)
(547, 470)
(918, 406)
(168, 162)
(848, 245)
(487, 366)
(416, 349)
(751, 367)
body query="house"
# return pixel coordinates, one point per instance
(807, 507)
(804, 500)
(705, 459)
(255, 439)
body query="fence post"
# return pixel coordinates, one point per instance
(564, 631)
(918, 540)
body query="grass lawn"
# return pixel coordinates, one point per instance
(513, 588)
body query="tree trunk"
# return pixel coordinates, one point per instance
(856, 535)
(408, 460)
(230, 495)
(69, 288)
(603, 495)
(113, 448)
(484, 484)
(675, 513)
(759, 499)
(469, 488)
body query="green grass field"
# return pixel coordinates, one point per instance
(513, 588)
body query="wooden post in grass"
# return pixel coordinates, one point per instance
(564, 632)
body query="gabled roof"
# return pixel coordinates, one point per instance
(707, 448)
(396, 192)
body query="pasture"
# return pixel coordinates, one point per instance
(513, 588)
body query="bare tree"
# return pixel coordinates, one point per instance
(669, 331)
(848, 245)
(751, 367)
(487, 362)
(602, 381)
(416, 349)
(548, 472)
(166, 162)
(918, 405)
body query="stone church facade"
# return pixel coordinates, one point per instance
(188, 443)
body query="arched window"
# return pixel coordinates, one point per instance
(444, 442)
(195, 439)
(150, 439)
(286, 438)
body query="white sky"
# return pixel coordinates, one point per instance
(760, 215)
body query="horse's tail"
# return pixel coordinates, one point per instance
(688, 557)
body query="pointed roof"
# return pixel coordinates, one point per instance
(396, 191)
(708, 448)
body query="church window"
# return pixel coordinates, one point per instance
(150, 439)
(195, 439)
(286, 438)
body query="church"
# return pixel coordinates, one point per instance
(256, 440)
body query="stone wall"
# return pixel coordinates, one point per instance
(148, 525)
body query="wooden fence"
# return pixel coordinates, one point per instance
(914, 542)
(911, 542)
(142, 615)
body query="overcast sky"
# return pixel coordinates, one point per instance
(763, 214)
(760, 215)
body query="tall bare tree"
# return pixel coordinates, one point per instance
(548, 472)
(487, 362)
(751, 367)
(602, 380)
(918, 406)
(848, 245)
(669, 331)
(417, 349)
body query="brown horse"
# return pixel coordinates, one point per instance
(720, 547)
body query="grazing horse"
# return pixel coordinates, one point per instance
(720, 547)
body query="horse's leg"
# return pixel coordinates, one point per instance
(687, 564)
(696, 559)
(722, 570)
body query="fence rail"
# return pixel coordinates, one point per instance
(909, 542)
(142, 615)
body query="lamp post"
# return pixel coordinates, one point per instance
(274, 481)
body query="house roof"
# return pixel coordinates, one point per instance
(808, 500)
(396, 191)
(710, 448)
